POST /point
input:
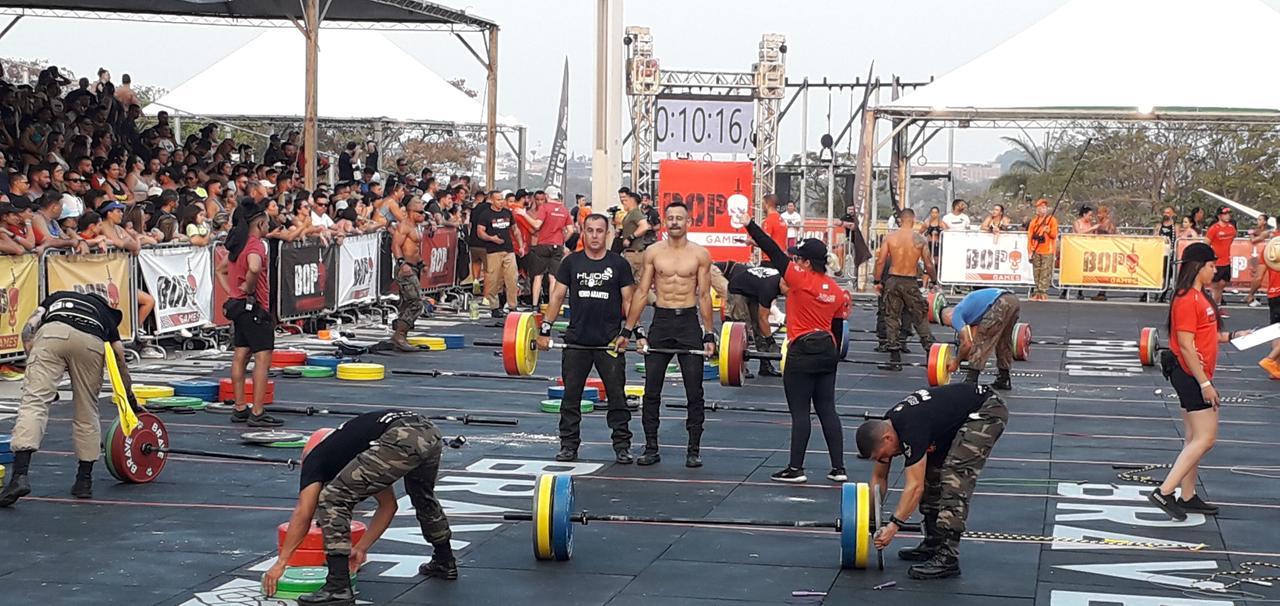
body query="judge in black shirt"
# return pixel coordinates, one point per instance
(69, 332)
(945, 434)
(747, 293)
(597, 282)
(363, 458)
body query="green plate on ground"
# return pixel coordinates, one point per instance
(307, 372)
(672, 367)
(553, 406)
(290, 444)
(560, 326)
(298, 580)
(176, 402)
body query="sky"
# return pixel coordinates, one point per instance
(836, 40)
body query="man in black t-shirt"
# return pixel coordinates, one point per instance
(945, 434)
(597, 282)
(68, 331)
(494, 222)
(747, 293)
(364, 458)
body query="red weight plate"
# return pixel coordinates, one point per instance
(314, 541)
(596, 383)
(134, 463)
(1144, 347)
(282, 358)
(1022, 341)
(307, 557)
(227, 392)
(736, 354)
(510, 335)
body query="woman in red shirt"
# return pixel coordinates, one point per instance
(1194, 328)
(815, 306)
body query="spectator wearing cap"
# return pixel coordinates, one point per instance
(18, 229)
(1042, 239)
(1219, 237)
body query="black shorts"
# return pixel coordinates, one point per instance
(544, 259)
(254, 331)
(1188, 389)
(1274, 305)
(1222, 274)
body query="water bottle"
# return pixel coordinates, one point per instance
(475, 308)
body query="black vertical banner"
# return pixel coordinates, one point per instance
(385, 279)
(558, 163)
(308, 281)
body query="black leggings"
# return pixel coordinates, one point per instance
(820, 389)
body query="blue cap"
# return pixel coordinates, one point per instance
(110, 206)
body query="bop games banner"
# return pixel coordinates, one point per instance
(1119, 261)
(974, 257)
(181, 281)
(1241, 251)
(307, 278)
(705, 188)
(20, 277)
(107, 274)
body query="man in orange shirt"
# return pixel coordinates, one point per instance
(1042, 238)
(1220, 235)
(773, 225)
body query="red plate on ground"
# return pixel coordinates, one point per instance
(130, 461)
(307, 557)
(1021, 341)
(1148, 343)
(315, 539)
(281, 358)
(227, 392)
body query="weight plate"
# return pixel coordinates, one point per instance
(848, 524)
(560, 326)
(107, 453)
(267, 437)
(314, 541)
(307, 557)
(561, 518)
(281, 358)
(1148, 345)
(434, 343)
(205, 390)
(510, 343)
(634, 391)
(542, 497)
(146, 392)
(309, 372)
(129, 461)
(454, 341)
(219, 407)
(940, 355)
(174, 402)
(529, 334)
(591, 394)
(863, 551)
(553, 406)
(329, 361)
(1021, 341)
(937, 302)
(358, 371)
(316, 437)
(733, 353)
(301, 579)
(289, 444)
(844, 337)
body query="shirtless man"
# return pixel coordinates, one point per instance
(905, 249)
(1085, 224)
(680, 273)
(406, 245)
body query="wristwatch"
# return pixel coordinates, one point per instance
(897, 522)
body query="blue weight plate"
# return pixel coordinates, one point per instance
(329, 361)
(6, 458)
(561, 514)
(848, 524)
(454, 341)
(589, 394)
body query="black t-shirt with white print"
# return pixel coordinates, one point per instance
(595, 296)
(927, 420)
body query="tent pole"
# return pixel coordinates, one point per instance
(311, 14)
(491, 113)
(521, 151)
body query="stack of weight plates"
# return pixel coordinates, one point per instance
(176, 403)
(553, 406)
(281, 358)
(434, 343)
(307, 372)
(196, 388)
(311, 551)
(6, 451)
(634, 391)
(454, 341)
(146, 392)
(592, 394)
(355, 371)
(298, 580)
(672, 369)
(227, 392)
(329, 361)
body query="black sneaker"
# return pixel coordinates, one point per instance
(328, 597)
(17, 487)
(838, 475)
(567, 454)
(881, 348)
(240, 416)
(692, 460)
(1168, 504)
(447, 569)
(264, 420)
(790, 475)
(83, 488)
(940, 566)
(649, 458)
(1197, 505)
(623, 457)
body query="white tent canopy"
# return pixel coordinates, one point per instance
(1143, 59)
(362, 76)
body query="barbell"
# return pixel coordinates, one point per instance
(553, 516)
(312, 411)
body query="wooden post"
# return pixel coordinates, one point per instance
(310, 143)
(491, 114)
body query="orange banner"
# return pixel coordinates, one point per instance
(1120, 261)
(21, 280)
(109, 275)
(1241, 252)
(705, 188)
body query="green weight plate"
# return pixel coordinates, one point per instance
(560, 326)
(308, 372)
(106, 450)
(298, 580)
(553, 406)
(176, 402)
(288, 444)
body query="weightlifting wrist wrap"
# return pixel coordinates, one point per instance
(544, 330)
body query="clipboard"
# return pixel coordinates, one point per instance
(1257, 337)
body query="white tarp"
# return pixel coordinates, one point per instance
(181, 281)
(358, 269)
(361, 75)
(1125, 56)
(976, 257)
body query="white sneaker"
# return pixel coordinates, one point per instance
(1255, 303)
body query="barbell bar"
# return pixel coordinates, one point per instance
(312, 411)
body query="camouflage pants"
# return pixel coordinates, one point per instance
(904, 331)
(995, 333)
(409, 449)
(1042, 266)
(410, 306)
(949, 486)
(903, 301)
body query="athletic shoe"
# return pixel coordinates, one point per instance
(1255, 303)
(790, 475)
(567, 454)
(1197, 505)
(1168, 504)
(1271, 366)
(264, 420)
(240, 416)
(838, 475)
(447, 570)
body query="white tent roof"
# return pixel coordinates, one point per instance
(355, 73)
(1182, 59)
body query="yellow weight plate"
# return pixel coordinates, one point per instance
(782, 366)
(634, 391)
(357, 371)
(146, 392)
(864, 526)
(527, 332)
(542, 517)
(435, 343)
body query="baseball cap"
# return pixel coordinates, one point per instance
(1042, 202)
(552, 192)
(1223, 209)
(265, 183)
(6, 208)
(810, 248)
(110, 206)
(154, 190)
(1199, 251)
(201, 192)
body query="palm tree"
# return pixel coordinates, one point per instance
(1038, 158)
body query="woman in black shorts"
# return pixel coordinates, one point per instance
(1195, 332)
